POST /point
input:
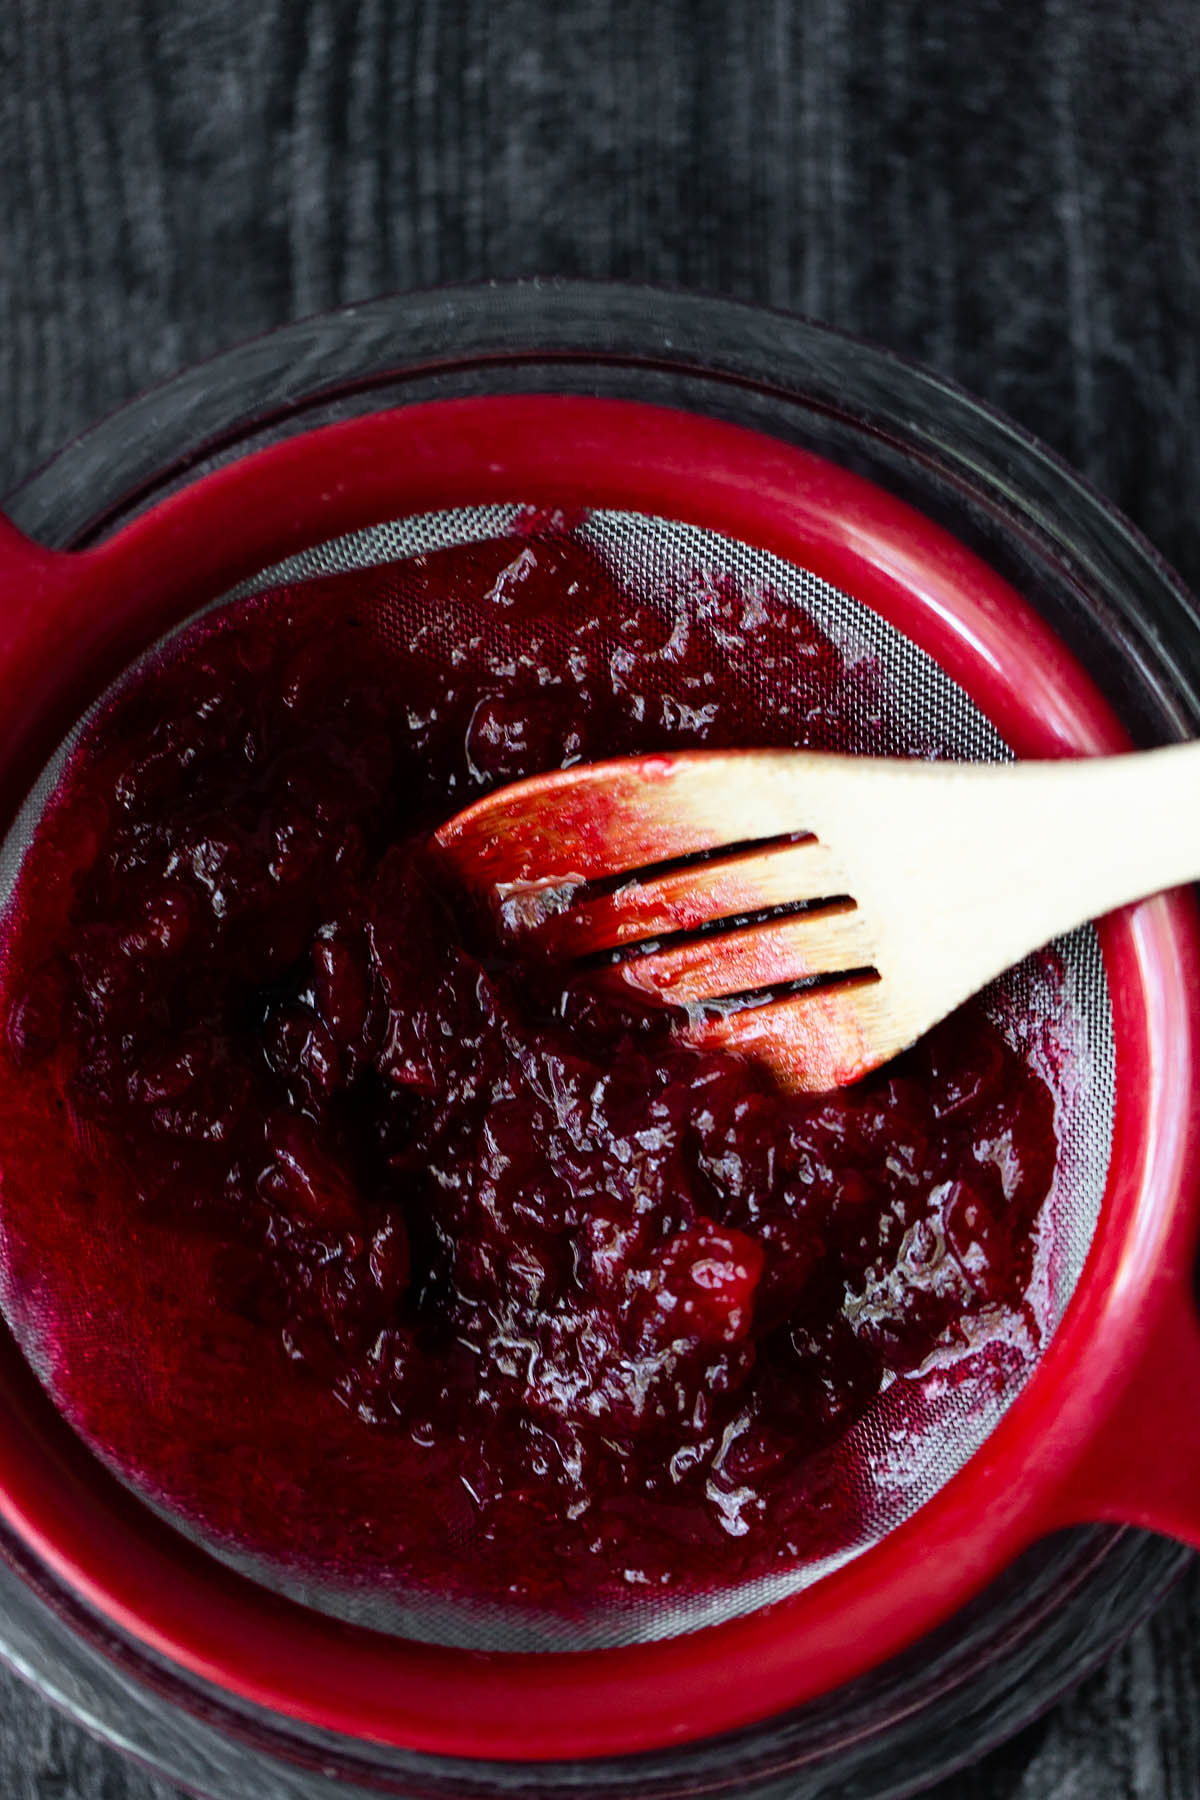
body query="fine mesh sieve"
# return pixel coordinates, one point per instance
(1055, 1008)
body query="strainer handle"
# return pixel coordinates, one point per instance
(1117, 1429)
(1143, 1466)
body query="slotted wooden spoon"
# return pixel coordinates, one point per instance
(840, 905)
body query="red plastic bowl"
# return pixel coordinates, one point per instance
(1098, 1433)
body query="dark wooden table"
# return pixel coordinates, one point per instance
(1009, 191)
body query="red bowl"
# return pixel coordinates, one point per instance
(1083, 1441)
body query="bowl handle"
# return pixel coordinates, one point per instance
(1143, 1468)
(1134, 1369)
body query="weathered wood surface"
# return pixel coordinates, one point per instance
(1009, 191)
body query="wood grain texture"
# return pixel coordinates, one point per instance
(1007, 190)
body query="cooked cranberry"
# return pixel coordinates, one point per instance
(702, 1287)
(166, 919)
(78, 829)
(159, 765)
(168, 1075)
(35, 1015)
(108, 978)
(959, 1083)
(390, 1259)
(612, 1246)
(304, 1180)
(300, 1048)
(792, 1250)
(975, 1225)
(342, 984)
(511, 733)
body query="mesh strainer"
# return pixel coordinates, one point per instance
(969, 672)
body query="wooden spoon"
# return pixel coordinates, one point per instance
(832, 908)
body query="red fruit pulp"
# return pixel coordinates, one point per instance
(367, 1247)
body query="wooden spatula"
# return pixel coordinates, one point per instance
(832, 908)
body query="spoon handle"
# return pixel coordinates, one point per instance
(1005, 857)
(1096, 833)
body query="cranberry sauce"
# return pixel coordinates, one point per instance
(368, 1248)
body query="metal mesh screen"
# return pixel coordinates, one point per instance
(1056, 1009)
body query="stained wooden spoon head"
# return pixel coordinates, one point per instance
(818, 912)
